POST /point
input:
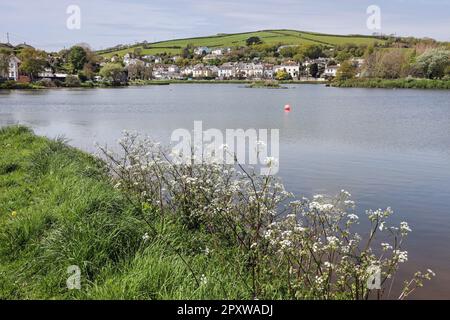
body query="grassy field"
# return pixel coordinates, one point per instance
(58, 208)
(287, 37)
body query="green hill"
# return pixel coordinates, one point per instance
(285, 37)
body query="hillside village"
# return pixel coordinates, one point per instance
(326, 68)
(80, 66)
(222, 64)
(254, 70)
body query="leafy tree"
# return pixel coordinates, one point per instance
(343, 56)
(288, 52)
(137, 52)
(314, 70)
(183, 62)
(369, 50)
(253, 40)
(112, 72)
(72, 81)
(188, 51)
(313, 51)
(433, 63)
(282, 75)
(4, 64)
(352, 50)
(392, 64)
(388, 64)
(332, 63)
(77, 58)
(89, 71)
(298, 57)
(346, 71)
(139, 71)
(447, 71)
(214, 62)
(33, 62)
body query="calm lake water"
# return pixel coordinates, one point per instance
(387, 147)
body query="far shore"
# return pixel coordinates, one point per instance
(351, 83)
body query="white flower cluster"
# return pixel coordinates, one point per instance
(401, 256)
(312, 239)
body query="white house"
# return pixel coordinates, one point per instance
(160, 72)
(187, 71)
(210, 57)
(217, 52)
(292, 68)
(49, 74)
(173, 68)
(13, 68)
(330, 71)
(200, 71)
(255, 71)
(126, 59)
(220, 51)
(226, 71)
(214, 70)
(149, 57)
(268, 71)
(202, 51)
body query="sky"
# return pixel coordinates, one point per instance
(106, 23)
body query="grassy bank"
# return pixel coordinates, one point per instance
(90, 85)
(13, 85)
(58, 208)
(395, 83)
(155, 230)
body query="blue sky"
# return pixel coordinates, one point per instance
(106, 23)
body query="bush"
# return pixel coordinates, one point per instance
(433, 63)
(72, 81)
(82, 76)
(88, 84)
(290, 248)
(16, 85)
(46, 83)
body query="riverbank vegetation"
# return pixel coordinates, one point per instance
(269, 84)
(141, 227)
(10, 85)
(408, 83)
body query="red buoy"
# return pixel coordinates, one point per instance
(287, 108)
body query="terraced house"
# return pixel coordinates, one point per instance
(292, 68)
(13, 68)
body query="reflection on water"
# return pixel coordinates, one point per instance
(387, 147)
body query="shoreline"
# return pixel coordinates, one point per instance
(353, 83)
(405, 83)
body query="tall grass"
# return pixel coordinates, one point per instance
(58, 208)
